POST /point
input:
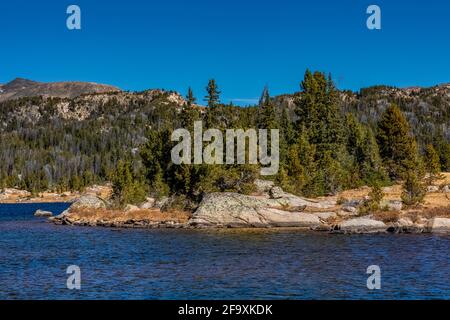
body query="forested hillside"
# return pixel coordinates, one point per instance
(330, 139)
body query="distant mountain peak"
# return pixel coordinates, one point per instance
(19, 83)
(20, 87)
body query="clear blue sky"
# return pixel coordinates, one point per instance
(243, 44)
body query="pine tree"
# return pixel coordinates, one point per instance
(156, 159)
(319, 117)
(371, 167)
(127, 188)
(413, 189)
(442, 146)
(286, 137)
(398, 148)
(373, 203)
(267, 118)
(189, 114)
(212, 99)
(362, 147)
(299, 172)
(318, 112)
(190, 98)
(432, 164)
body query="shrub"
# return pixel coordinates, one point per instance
(372, 204)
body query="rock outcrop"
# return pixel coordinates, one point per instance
(89, 202)
(361, 225)
(42, 213)
(439, 225)
(237, 210)
(84, 202)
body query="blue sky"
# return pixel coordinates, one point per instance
(244, 45)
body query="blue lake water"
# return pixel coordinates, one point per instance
(212, 264)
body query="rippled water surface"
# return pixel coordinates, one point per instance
(224, 264)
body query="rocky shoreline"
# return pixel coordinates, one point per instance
(271, 208)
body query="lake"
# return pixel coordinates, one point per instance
(212, 264)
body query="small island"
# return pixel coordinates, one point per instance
(271, 207)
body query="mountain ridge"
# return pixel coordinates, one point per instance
(21, 88)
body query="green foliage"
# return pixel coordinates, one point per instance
(190, 99)
(413, 189)
(373, 203)
(329, 140)
(397, 147)
(212, 99)
(299, 171)
(432, 164)
(127, 186)
(443, 149)
(267, 118)
(366, 165)
(155, 156)
(318, 112)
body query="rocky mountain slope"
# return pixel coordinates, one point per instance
(77, 138)
(427, 109)
(19, 88)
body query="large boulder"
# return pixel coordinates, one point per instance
(237, 210)
(361, 225)
(84, 202)
(88, 202)
(42, 213)
(439, 225)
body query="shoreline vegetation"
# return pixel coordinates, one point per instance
(350, 162)
(269, 207)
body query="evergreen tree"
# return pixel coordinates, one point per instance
(189, 114)
(267, 118)
(413, 190)
(373, 203)
(127, 187)
(155, 156)
(212, 99)
(362, 147)
(398, 148)
(432, 164)
(442, 146)
(319, 118)
(287, 136)
(318, 112)
(299, 172)
(190, 98)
